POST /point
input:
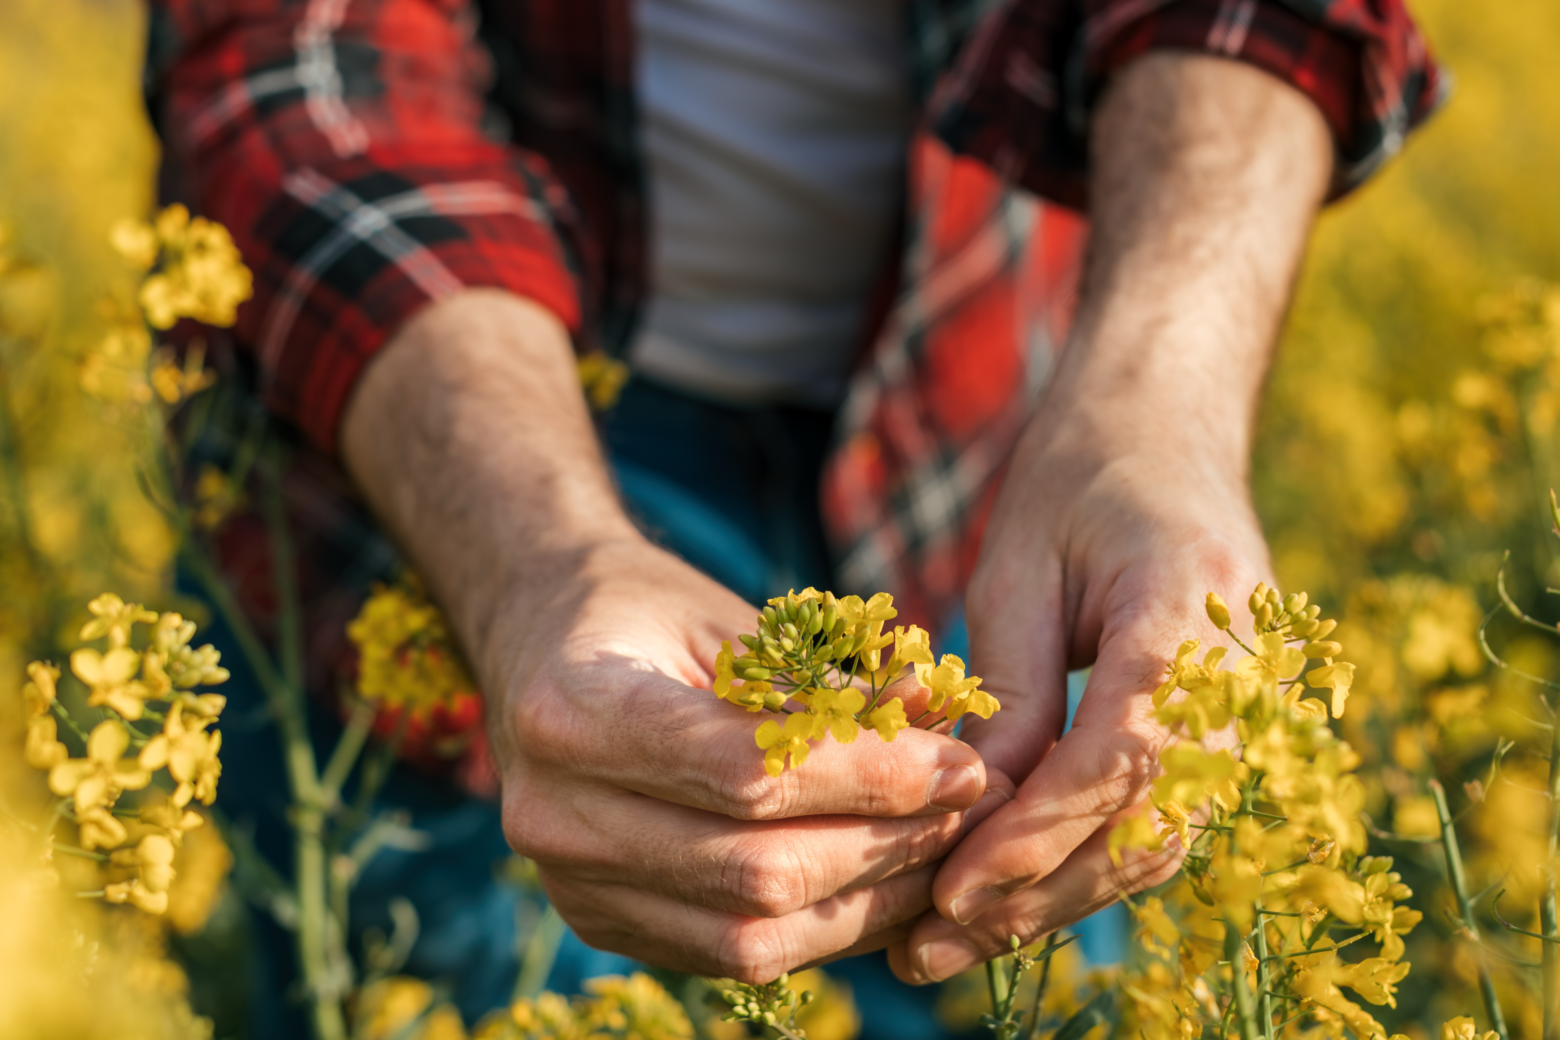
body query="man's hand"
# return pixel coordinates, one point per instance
(1127, 500)
(642, 798)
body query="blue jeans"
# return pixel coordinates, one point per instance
(734, 491)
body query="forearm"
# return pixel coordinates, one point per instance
(1206, 176)
(471, 440)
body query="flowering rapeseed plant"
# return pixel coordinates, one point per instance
(826, 664)
(1277, 867)
(156, 682)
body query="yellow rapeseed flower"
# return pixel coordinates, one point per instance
(98, 780)
(777, 742)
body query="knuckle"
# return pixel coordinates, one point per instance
(544, 727)
(923, 842)
(1129, 763)
(526, 826)
(766, 880)
(748, 793)
(1148, 870)
(752, 951)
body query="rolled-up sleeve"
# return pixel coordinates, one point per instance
(342, 145)
(1021, 95)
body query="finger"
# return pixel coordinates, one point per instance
(631, 727)
(761, 869)
(1022, 658)
(1086, 882)
(670, 934)
(1104, 763)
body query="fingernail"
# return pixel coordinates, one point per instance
(972, 904)
(954, 789)
(942, 958)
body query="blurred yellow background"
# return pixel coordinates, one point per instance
(1406, 442)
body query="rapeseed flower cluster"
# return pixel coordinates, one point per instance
(612, 1008)
(129, 681)
(1277, 882)
(407, 658)
(826, 664)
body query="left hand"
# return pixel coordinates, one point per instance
(1103, 559)
(1126, 501)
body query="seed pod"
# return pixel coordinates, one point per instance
(1322, 648)
(1324, 629)
(1218, 613)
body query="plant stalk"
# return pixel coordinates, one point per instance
(1459, 881)
(1546, 907)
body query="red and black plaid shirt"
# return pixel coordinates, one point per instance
(371, 156)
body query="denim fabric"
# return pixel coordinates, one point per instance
(733, 491)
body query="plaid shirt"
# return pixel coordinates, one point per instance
(371, 156)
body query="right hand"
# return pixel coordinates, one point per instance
(644, 802)
(642, 799)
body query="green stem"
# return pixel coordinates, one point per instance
(1245, 1007)
(71, 850)
(319, 952)
(1235, 947)
(541, 949)
(1546, 907)
(1040, 988)
(346, 752)
(1459, 881)
(1264, 979)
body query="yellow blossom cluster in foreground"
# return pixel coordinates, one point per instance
(826, 664)
(1260, 935)
(156, 682)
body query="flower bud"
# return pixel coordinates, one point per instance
(751, 642)
(1273, 598)
(787, 643)
(1324, 629)
(815, 624)
(1264, 616)
(771, 616)
(1322, 648)
(757, 674)
(791, 630)
(1255, 601)
(1303, 628)
(1218, 613)
(1291, 603)
(830, 613)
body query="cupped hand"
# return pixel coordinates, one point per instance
(643, 799)
(1100, 553)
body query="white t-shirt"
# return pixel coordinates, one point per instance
(775, 136)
